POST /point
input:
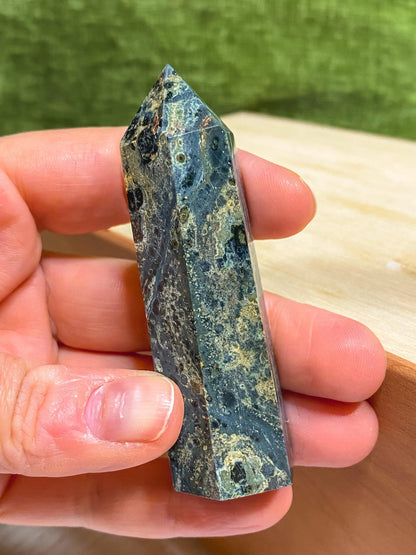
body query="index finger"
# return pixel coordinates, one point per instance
(72, 181)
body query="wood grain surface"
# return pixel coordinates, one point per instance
(358, 258)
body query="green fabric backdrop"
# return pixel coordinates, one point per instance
(79, 62)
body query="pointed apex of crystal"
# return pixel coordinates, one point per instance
(167, 71)
(170, 108)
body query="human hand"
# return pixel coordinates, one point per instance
(82, 426)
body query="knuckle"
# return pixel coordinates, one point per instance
(26, 391)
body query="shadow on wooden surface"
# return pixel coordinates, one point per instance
(88, 244)
(15, 540)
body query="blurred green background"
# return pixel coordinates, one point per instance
(91, 62)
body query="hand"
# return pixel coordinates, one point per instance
(79, 412)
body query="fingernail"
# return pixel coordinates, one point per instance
(132, 409)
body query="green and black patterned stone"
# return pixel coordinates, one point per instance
(203, 299)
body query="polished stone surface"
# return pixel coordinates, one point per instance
(203, 298)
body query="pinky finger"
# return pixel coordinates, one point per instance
(329, 433)
(136, 502)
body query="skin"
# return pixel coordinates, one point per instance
(69, 331)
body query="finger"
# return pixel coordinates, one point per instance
(279, 201)
(25, 329)
(141, 502)
(72, 182)
(20, 244)
(137, 502)
(324, 433)
(96, 304)
(323, 354)
(329, 433)
(319, 353)
(56, 421)
(71, 178)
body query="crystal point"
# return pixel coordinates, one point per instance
(203, 299)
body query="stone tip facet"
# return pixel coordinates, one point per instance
(169, 93)
(167, 71)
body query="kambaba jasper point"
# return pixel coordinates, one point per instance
(202, 293)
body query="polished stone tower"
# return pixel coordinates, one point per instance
(203, 298)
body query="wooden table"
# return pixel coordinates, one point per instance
(358, 258)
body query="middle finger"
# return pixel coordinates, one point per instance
(96, 304)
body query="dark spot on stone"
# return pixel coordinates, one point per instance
(132, 128)
(135, 198)
(238, 474)
(157, 87)
(147, 145)
(180, 158)
(214, 177)
(205, 266)
(184, 214)
(174, 243)
(194, 356)
(147, 118)
(229, 399)
(155, 307)
(219, 328)
(215, 424)
(188, 178)
(214, 143)
(267, 469)
(237, 244)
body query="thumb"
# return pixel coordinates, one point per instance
(57, 421)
